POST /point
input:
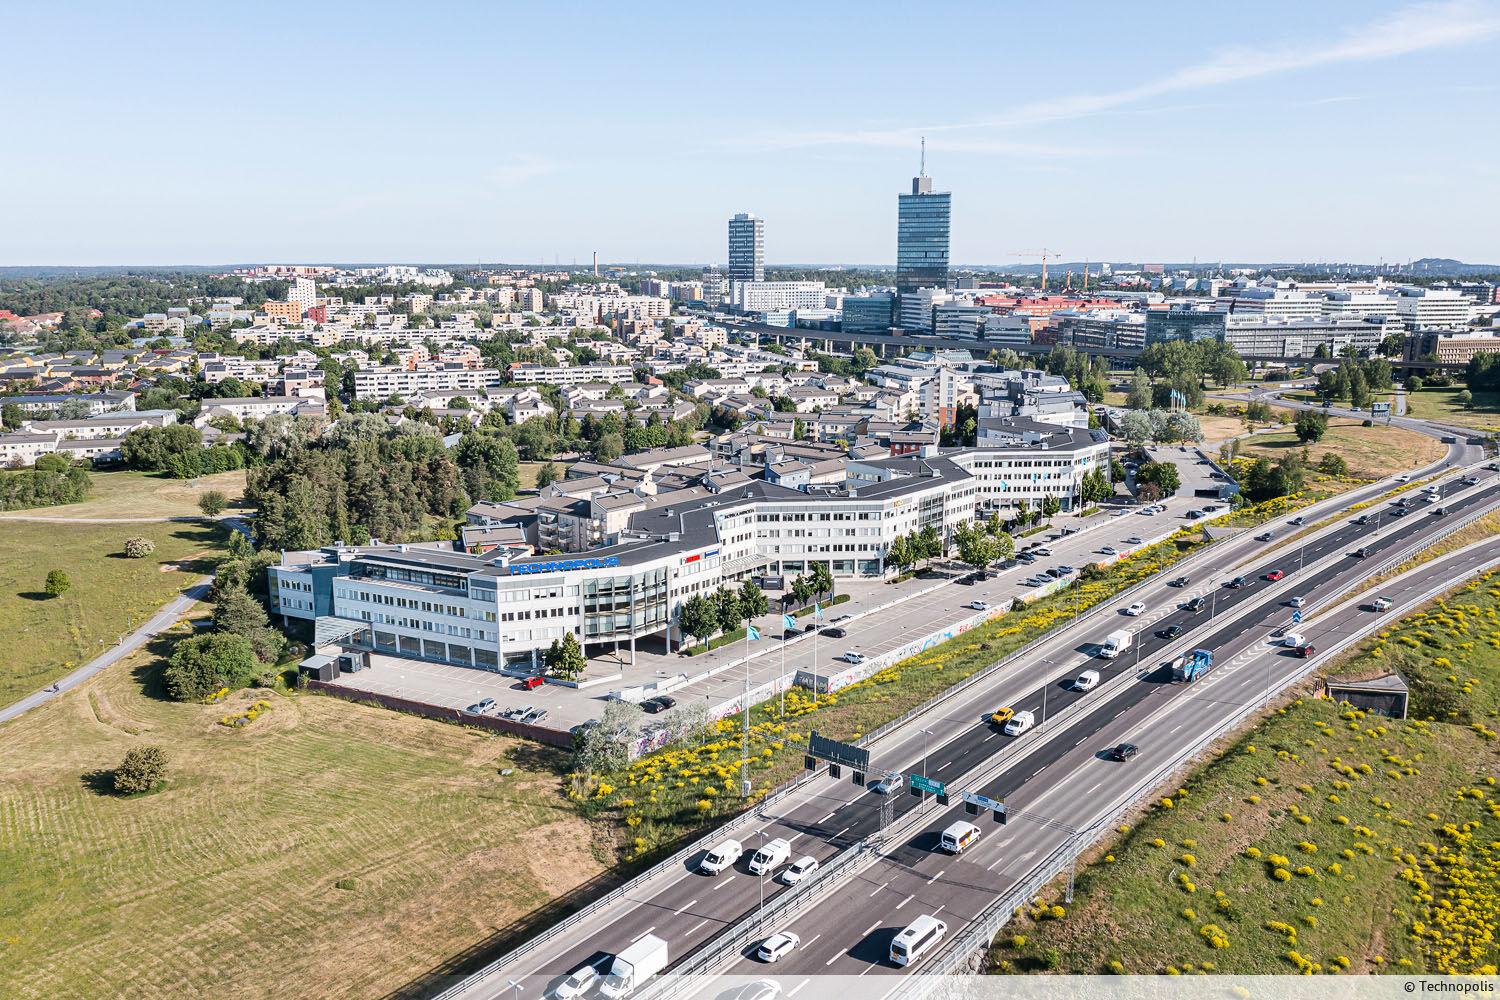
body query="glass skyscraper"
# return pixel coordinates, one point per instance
(922, 237)
(747, 248)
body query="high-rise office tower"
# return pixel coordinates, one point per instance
(747, 248)
(922, 234)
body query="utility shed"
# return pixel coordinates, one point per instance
(1385, 695)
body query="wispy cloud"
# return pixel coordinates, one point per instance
(1416, 28)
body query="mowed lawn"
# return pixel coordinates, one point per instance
(327, 850)
(1372, 452)
(141, 494)
(1441, 405)
(48, 636)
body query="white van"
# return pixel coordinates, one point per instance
(959, 836)
(1019, 723)
(1293, 639)
(920, 937)
(1086, 681)
(772, 855)
(722, 856)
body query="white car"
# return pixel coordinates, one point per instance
(722, 856)
(1296, 602)
(799, 869)
(1136, 610)
(852, 657)
(1019, 723)
(1043, 551)
(777, 945)
(979, 605)
(1292, 640)
(1108, 550)
(1086, 681)
(1134, 540)
(892, 782)
(578, 983)
(1403, 478)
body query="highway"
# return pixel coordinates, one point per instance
(827, 816)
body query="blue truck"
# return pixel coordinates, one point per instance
(1190, 666)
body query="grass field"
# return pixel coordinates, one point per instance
(141, 494)
(1438, 404)
(529, 471)
(48, 636)
(327, 850)
(1322, 840)
(1372, 452)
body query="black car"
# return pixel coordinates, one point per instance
(1196, 605)
(1123, 752)
(1181, 581)
(834, 633)
(658, 704)
(1170, 632)
(1238, 582)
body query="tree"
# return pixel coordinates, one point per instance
(927, 543)
(822, 579)
(1163, 475)
(727, 609)
(976, 546)
(204, 663)
(609, 447)
(699, 617)
(1258, 412)
(606, 747)
(143, 768)
(1414, 383)
(11, 416)
(753, 601)
(1050, 506)
(138, 547)
(1135, 426)
(1333, 464)
(899, 554)
(546, 475)
(1311, 426)
(58, 583)
(1139, 396)
(1183, 426)
(1465, 398)
(565, 659)
(213, 503)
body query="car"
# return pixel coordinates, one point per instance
(1296, 602)
(1066, 570)
(853, 656)
(1019, 723)
(838, 618)
(1264, 536)
(1361, 519)
(1196, 605)
(1305, 650)
(481, 707)
(1056, 572)
(1297, 521)
(1134, 540)
(1363, 552)
(1118, 513)
(532, 683)
(777, 945)
(1136, 609)
(1381, 604)
(978, 605)
(1180, 581)
(721, 856)
(1107, 550)
(1403, 478)
(1043, 551)
(1238, 582)
(658, 704)
(578, 983)
(1399, 512)
(1086, 681)
(1002, 715)
(833, 632)
(799, 869)
(1122, 752)
(761, 989)
(1470, 480)
(1193, 515)
(1292, 639)
(891, 782)
(1275, 575)
(538, 714)
(1170, 632)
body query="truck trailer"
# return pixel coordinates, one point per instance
(633, 966)
(1115, 643)
(1190, 666)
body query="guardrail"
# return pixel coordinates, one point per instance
(955, 955)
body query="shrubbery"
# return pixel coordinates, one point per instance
(204, 663)
(143, 769)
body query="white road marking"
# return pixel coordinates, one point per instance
(809, 942)
(1091, 791)
(825, 819)
(643, 933)
(793, 991)
(936, 877)
(728, 880)
(678, 913)
(871, 928)
(867, 969)
(992, 864)
(689, 931)
(835, 958)
(878, 888)
(836, 836)
(908, 899)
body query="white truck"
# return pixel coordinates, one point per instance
(1115, 643)
(772, 855)
(633, 966)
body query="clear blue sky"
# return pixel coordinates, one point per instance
(207, 133)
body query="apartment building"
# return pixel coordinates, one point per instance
(392, 380)
(569, 374)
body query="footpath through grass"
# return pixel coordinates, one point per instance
(49, 636)
(326, 849)
(1321, 841)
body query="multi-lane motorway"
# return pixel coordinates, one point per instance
(1053, 778)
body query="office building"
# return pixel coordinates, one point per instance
(868, 313)
(922, 224)
(747, 248)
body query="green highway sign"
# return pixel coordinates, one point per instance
(932, 786)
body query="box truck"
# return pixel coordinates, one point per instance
(633, 966)
(1115, 643)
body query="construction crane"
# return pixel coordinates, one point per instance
(1043, 255)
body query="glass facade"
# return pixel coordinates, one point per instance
(747, 248)
(922, 241)
(1183, 324)
(868, 313)
(619, 605)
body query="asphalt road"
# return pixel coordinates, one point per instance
(688, 909)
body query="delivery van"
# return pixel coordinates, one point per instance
(959, 836)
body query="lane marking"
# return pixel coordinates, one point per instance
(908, 899)
(836, 836)
(678, 913)
(810, 941)
(689, 931)
(728, 880)
(931, 880)
(878, 888)
(643, 933)
(835, 958)
(793, 991)
(871, 928)
(825, 819)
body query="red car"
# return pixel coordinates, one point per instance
(1305, 651)
(1275, 575)
(532, 683)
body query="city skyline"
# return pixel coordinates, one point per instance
(1173, 139)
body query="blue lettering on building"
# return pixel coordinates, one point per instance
(560, 565)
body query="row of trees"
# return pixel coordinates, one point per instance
(1483, 373)
(980, 545)
(1356, 380)
(54, 479)
(918, 546)
(725, 610)
(242, 644)
(1140, 426)
(177, 450)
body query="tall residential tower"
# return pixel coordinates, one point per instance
(747, 248)
(922, 234)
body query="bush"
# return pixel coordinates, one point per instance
(143, 769)
(139, 547)
(213, 503)
(204, 663)
(58, 583)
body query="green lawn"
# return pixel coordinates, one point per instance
(326, 850)
(1365, 816)
(1437, 404)
(142, 494)
(48, 636)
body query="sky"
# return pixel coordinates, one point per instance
(194, 133)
